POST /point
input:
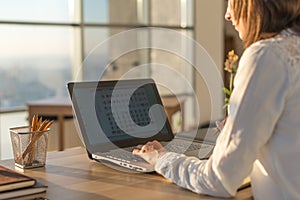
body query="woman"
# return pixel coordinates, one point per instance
(261, 136)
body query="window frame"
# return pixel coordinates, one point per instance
(78, 24)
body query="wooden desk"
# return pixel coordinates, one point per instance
(71, 175)
(56, 107)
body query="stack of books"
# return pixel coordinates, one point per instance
(14, 184)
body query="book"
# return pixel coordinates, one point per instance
(35, 189)
(10, 180)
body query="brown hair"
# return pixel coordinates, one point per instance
(266, 18)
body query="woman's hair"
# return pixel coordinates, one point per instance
(266, 18)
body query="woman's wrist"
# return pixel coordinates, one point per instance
(161, 152)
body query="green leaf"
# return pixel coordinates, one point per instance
(226, 91)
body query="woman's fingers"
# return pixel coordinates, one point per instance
(143, 150)
(155, 144)
(148, 147)
(136, 151)
(139, 146)
(150, 151)
(150, 156)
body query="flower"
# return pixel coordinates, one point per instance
(231, 65)
(231, 62)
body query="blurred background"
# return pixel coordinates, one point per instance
(44, 42)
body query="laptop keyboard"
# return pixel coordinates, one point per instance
(178, 146)
(181, 146)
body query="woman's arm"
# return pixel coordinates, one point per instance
(255, 106)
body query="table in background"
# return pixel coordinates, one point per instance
(172, 105)
(53, 107)
(71, 175)
(62, 107)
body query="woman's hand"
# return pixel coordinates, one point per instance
(150, 152)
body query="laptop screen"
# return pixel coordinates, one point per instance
(113, 114)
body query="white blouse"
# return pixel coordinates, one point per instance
(261, 137)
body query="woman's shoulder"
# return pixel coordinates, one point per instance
(284, 45)
(285, 38)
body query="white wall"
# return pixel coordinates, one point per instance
(209, 30)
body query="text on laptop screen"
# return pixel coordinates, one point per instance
(128, 114)
(113, 114)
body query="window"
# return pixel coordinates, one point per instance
(42, 40)
(35, 63)
(124, 15)
(59, 11)
(36, 50)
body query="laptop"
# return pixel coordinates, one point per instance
(116, 116)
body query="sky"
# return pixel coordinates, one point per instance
(28, 41)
